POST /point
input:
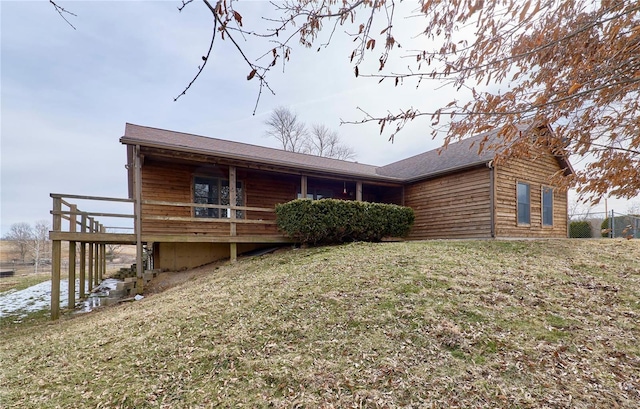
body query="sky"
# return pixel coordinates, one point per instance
(66, 95)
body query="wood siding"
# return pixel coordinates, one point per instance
(536, 173)
(169, 182)
(452, 206)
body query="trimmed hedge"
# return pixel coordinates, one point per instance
(580, 229)
(329, 221)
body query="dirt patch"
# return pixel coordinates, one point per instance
(169, 279)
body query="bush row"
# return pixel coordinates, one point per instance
(329, 221)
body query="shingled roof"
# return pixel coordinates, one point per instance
(456, 156)
(184, 142)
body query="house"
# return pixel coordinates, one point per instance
(188, 220)
(198, 199)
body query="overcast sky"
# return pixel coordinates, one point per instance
(66, 95)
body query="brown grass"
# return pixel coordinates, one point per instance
(433, 324)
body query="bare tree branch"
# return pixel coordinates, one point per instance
(62, 11)
(205, 58)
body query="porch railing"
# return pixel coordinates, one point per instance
(83, 229)
(92, 236)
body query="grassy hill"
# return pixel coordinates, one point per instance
(471, 324)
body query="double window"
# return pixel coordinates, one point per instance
(524, 204)
(215, 191)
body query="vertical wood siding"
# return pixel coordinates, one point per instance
(452, 206)
(536, 173)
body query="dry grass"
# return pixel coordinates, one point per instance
(434, 324)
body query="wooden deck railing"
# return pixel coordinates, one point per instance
(231, 209)
(85, 230)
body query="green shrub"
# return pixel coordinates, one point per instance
(623, 226)
(337, 221)
(580, 230)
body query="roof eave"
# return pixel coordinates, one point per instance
(443, 172)
(132, 141)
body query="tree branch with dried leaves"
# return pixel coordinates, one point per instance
(572, 64)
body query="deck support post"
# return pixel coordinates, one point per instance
(83, 258)
(103, 260)
(359, 191)
(56, 260)
(96, 259)
(91, 255)
(72, 260)
(233, 202)
(137, 185)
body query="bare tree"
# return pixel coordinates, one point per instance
(323, 141)
(113, 250)
(40, 243)
(579, 210)
(21, 235)
(283, 124)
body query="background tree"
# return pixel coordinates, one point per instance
(21, 235)
(39, 247)
(323, 141)
(284, 125)
(569, 63)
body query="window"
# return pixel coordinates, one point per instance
(317, 194)
(547, 206)
(215, 191)
(524, 204)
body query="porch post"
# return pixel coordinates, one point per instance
(56, 258)
(72, 259)
(359, 191)
(233, 200)
(137, 168)
(303, 187)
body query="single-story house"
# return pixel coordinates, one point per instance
(201, 199)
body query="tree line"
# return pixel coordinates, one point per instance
(31, 241)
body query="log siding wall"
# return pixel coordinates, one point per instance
(452, 206)
(165, 181)
(537, 174)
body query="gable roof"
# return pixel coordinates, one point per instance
(457, 156)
